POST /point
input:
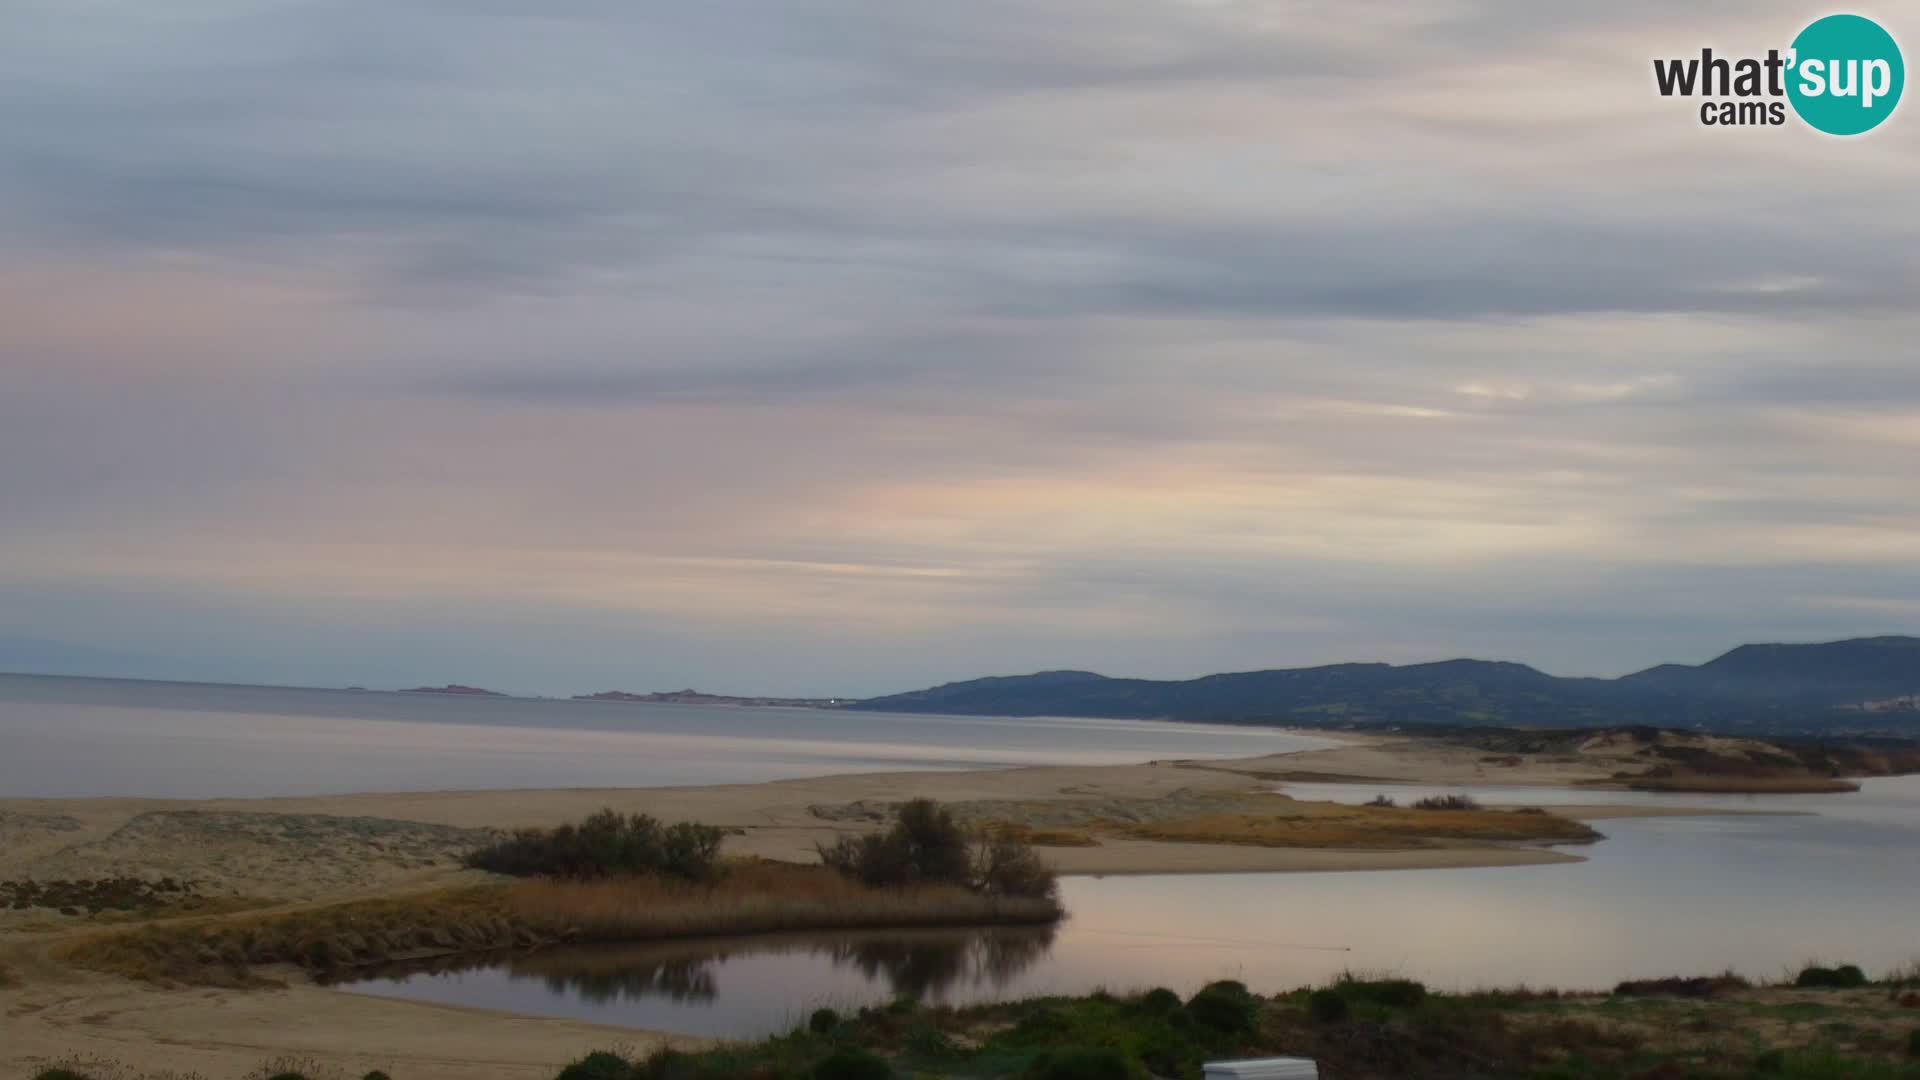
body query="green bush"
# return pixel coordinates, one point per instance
(1041, 1025)
(1770, 1061)
(58, 1073)
(1225, 1007)
(1447, 802)
(1082, 1063)
(606, 844)
(1913, 1043)
(1844, 977)
(823, 1021)
(599, 1065)
(927, 1041)
(376, 1075)
(288, 1076)
(928, 846)
(1387, 993)
(667, 1063)
(1159, 1001)
(1327, 1006)
(1004, 867)
(852, 1065)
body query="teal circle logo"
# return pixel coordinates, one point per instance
(1845, 75)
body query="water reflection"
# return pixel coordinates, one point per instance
(740, 986)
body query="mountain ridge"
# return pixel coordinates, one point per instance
(1839, 686)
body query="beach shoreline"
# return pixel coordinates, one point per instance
(314, 850)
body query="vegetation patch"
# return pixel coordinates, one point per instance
(1289, 823)
(1844, 977)
(1354, 1029)
(1753, 782)
(1447, 802)
(92, 896)
(607, 844)
(1698, 986)
(1038, 837)
(332, 941)
(928, 846)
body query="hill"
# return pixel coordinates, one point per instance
(1866, 685)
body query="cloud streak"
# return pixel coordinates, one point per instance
(841, 345)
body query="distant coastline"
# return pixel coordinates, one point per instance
(696, 697)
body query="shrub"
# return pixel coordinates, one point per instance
(1770, 1061)
(1327, 1006)
(1382, 800)
(927, 1041)
(1447, 802)
(1043, 1024)
(1387, 993)
(1159, 1001)
(1699, 986)
(852, 1065)
(1844, 977)
(928, 846)
(1005, 867)
(599, 1065)
(1913, 1043)
(606, 844)
(1225, 1007)
(823, 1021)
(59, 1073)
(667, 1063)
(376, 1074)
(1082, 1063)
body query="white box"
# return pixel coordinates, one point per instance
(1263, 1069)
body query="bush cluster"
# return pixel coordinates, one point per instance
(1447, 802)
(852, 1064)
(927, 845)
(1082, 1063)
(1226, 1007)
(1844, 977)
(607, 844)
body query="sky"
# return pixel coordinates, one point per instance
(850, 346)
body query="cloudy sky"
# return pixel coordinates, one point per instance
(845, 346)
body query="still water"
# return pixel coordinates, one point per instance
(65, 737)
(1837, 880)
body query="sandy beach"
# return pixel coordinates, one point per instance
(291, 852)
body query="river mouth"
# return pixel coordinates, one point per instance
(1758, 894)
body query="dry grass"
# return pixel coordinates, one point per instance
(1757, 783)
(1036, 837)
(752, 898)
(1332, 825)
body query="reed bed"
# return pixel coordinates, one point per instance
(757, 898)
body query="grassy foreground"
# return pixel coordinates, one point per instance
(1714, 1028)
(1355, 1029)
(749, 898)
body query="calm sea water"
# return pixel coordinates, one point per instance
(1838, 880)
(62, 737)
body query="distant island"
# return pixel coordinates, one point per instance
(695, 697)
(1858, 687)
(454, 688)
